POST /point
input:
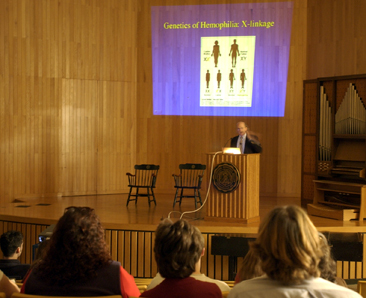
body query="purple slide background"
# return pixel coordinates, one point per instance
(176, 56)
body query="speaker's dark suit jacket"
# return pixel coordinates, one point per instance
(251, 146)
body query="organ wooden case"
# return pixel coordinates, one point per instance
(334, 147)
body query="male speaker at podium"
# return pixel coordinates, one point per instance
(246, 141)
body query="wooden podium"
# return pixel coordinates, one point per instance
(242, 204)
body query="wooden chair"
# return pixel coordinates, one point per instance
(225, 294)
(19, 283)
(142, 288)
(230, 283)
(143, 281)
(145, 177)
(190, 177)
(21, 295)
(361, 288)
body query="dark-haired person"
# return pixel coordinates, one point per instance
(11, 244)
(289, 248)
(77, 261)
(178, 248)
(42, 247)
(196, 273)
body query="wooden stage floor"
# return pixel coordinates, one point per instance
(114, 214)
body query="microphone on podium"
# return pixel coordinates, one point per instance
(230, 150)
(227, 142)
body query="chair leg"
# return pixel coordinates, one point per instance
(152, 192)
(195, 200)
(181, 196)
(137, 195)
(129, 195)
(199, 196)
(148, 196)
(175, 197)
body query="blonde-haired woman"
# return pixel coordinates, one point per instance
(289, 249)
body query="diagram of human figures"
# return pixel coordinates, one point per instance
(227, 67)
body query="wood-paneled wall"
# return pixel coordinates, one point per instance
(67, 96)
(76, 103)
(336, 38)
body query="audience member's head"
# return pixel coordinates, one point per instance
(250, 267)
(288, 245)
(42, 249)
(327, 265)
(40, 253)
(76, 249)
(11, 244)
(178, 247)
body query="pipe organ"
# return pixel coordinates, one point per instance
(325, 127)
(339, 139)
(334, 155)
(351, 115)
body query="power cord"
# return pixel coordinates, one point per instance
(204, 202)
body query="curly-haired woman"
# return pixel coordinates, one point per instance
(77, 261)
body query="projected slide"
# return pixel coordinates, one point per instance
(221, 60)
(227, 71)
